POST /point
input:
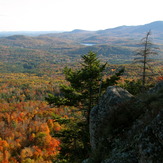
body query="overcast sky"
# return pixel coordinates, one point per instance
(66, 15)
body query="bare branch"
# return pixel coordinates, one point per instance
(144, 54)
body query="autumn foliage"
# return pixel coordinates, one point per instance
(27, 123)
(31, 131)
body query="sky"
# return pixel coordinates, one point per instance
(67, 15)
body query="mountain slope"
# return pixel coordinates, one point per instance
(117, 45)
(129, 33)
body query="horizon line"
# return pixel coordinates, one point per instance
(60, 31)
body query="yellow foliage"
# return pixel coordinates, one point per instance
(3, 145)
(27, 152)
(56, 126)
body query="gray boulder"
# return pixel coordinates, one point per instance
(150, 143)
(157, 87)
(100, 114)
(127, 129)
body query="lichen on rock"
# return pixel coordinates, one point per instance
(127, 129)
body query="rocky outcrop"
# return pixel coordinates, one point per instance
(101, 114)
(150, 144)
(157, 88)
(127, 129)
(143, 147)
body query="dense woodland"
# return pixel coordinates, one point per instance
(34, 131)
(32, 69)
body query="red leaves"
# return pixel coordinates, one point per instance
(27, 124)
(160, 78)
(26, 121)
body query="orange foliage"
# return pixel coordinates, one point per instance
(160, 78)
(56, 126)
(23, 124)
(26, 120)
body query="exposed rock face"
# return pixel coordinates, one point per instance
(146, 148)
(158, 87)
(99, 118)
(124, 129)
(150, 145)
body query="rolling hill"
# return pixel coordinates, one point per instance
(126, 33)
(117, 45)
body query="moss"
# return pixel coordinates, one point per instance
(121, 132)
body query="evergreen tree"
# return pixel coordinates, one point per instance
(85, 85)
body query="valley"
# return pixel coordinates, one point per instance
(26, 53)
(32, 70)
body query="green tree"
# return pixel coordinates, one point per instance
(85, 85)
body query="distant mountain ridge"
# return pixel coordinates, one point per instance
(133, 33)
(117, 45)
(154, 26)
(80, 35)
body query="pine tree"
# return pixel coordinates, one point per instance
(85, 85)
